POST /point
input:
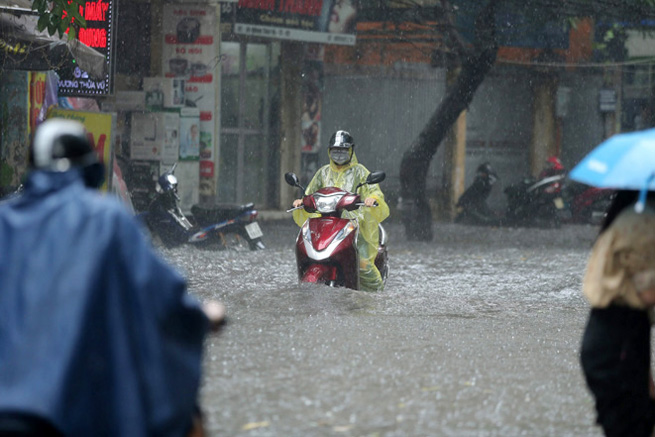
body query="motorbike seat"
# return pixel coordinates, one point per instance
(218, 212)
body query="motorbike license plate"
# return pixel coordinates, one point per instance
(253, 230)
(559, 203)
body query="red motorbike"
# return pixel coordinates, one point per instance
(326, 247)
(587, 204)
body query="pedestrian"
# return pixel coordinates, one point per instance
(619, 284)
(97, 334)
(345, 172)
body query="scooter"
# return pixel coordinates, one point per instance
(587, 204)
(211, 226)
(535, 202)
(472, 204)
(326, 246)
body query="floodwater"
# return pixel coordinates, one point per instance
(476, 334)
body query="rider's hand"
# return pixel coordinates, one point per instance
(215, 312)
(297, 203)
(369, 201)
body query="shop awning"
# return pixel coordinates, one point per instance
(23, 47)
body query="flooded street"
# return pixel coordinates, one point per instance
(476, 334)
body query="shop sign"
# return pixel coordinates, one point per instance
(317, 21)
(607, 100)
(98, 34)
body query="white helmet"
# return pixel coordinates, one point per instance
(60, 145)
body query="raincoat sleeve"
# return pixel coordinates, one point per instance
(169, 329)
(380, 212)
(300, 215)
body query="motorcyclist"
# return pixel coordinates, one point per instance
(97, 334)
(346, 173)
(473, 202)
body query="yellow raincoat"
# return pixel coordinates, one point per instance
(347, 177)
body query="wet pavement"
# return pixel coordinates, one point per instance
(476, 334)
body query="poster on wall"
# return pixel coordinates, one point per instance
(100, 128)
(318, 21)
(190, 52)
(190, 134)
(312, 101)
(312, 98)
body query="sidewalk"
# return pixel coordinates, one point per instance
(273, 215)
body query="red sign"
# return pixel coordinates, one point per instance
(97, 35)
(206, 169)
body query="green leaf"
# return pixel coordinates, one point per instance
(63, 25)
(40, 6)
(42, 23)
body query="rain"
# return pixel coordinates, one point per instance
(208, 104)
(476, 334)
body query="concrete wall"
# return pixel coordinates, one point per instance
(582, 127)
(389, 112)
(386, 110)
(500, 128)
(384, 114)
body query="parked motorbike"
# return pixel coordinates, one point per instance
(326, 246)
(535, 202)
(211, 226)
(472, 204)
(587, 204)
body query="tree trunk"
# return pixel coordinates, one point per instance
(415, 163)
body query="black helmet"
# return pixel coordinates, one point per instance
(341, 138)
(485, 170)
(340, 147)
(60, 145)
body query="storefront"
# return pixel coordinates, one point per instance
(248, 118)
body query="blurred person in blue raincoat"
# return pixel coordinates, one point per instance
(98, 336)
(345, 172)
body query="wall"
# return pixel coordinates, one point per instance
(384, 111)
(582, 127)
(500, 128)
(391, 107)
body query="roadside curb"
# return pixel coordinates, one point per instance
(273, 215)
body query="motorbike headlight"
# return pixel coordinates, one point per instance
(345, 231)
(327, 203)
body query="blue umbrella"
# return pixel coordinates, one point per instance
(623, 161)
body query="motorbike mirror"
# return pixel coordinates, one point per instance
(376, 177)
(293, 180)
(373, 178)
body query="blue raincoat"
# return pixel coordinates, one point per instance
(97, 333)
